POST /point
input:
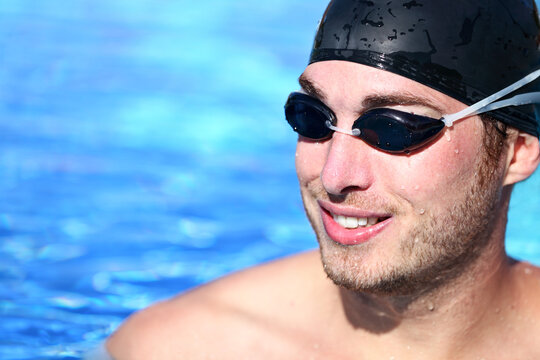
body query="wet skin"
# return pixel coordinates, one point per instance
(289, 309)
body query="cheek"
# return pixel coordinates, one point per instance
(443, 170)
(310, 160)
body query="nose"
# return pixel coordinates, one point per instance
(348, 165)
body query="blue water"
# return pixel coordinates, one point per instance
(143, 151)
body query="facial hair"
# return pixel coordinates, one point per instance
(438, 248)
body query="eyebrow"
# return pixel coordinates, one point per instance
(376, 100)
(400, 98)
(310, 88)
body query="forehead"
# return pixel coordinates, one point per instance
(337, 82)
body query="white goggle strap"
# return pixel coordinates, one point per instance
(489, 103)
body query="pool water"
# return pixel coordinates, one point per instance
(143, 152)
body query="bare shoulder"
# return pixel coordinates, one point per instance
(527, 280)
(526, 307)
(527, 277)
(235, 311)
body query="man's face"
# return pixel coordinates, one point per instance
(428, 213)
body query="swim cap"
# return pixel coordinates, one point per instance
(465, 49)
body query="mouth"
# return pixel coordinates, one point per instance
(350, 226)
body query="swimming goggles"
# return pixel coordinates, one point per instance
(392, 130)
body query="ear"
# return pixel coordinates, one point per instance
(522, 158)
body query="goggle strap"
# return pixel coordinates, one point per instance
(522, 99)
(353, 132)
(478, 107)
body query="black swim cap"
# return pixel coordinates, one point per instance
(463, 48)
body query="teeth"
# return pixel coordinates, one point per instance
(372, 221)
(353, 223)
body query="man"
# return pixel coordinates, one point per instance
(407, 190)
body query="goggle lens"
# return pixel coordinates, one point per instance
(307, 116)
(397, 131)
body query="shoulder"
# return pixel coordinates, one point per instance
(238, 308)
(526, 305)
(527, 279)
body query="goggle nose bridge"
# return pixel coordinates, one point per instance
(352, 132)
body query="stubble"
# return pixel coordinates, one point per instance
(438, 248)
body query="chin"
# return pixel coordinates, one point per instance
(360, 268)
(418, 261)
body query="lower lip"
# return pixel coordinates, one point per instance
(346, 236)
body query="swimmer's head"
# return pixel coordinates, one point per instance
(463, 48)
